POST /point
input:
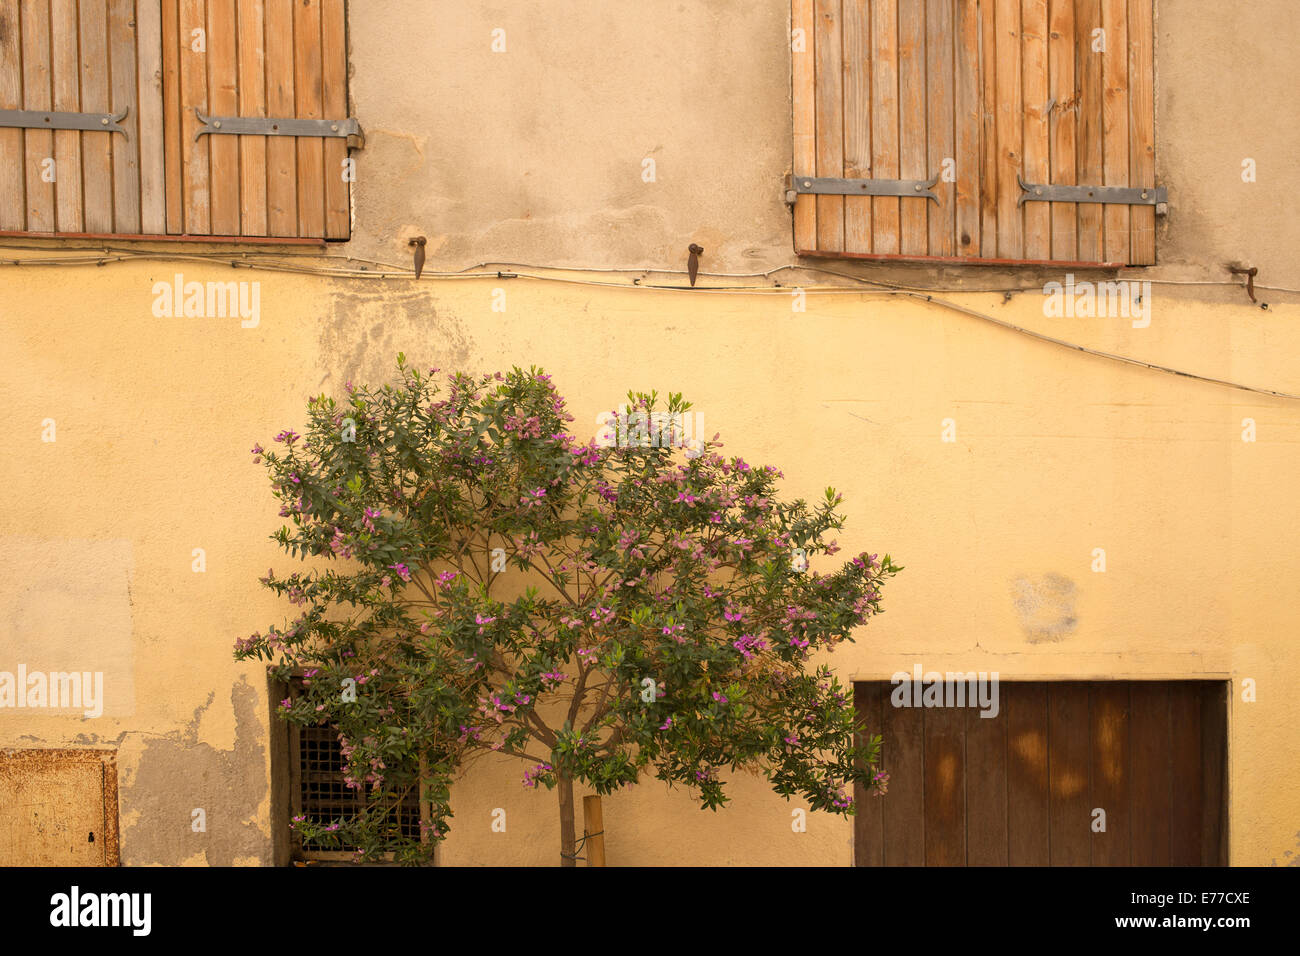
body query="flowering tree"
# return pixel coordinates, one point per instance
(477, 581)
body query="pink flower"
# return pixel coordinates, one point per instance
(531, 775)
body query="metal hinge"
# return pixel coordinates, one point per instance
(348, 128)
(39, 119)
(1156, 196)
(830, 186)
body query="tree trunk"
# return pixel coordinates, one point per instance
(568, 840)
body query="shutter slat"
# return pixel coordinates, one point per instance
(884, 123)
(1087, 72)
(223, 100)
(1115, 156)
(988, 131)
(194, 96)
(171, 91)
(1010, 130)
(968, 125)
(252, 102)
(281, 152)
(1037, 163)
(307, 92)
(857, 121)
(67, 97)
(830, 121)
(122, 88)
(12, 214)
(39, 143)
(150, 124)
(941, 94)
(1142, 124)
(334, 76)
(803, 78)
(96, 148)
(1064, 122)
(913, 232)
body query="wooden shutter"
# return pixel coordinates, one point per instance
(1057, 92)
(92, 56)
(165, 61)
(283, 59)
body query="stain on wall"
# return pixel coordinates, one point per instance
(1045, 607)
(366, 328)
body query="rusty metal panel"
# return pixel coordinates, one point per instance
(58, 808)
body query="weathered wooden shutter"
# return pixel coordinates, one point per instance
(91, 57)
(979, 94)
(263, 58)
(164, 62)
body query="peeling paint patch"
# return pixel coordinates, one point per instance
(1045, 607)
(177, 774)
(1289, 857)
(366, 330)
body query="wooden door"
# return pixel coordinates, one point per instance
(1107, 773)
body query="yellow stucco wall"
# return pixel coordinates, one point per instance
(535, 156)
(1057, 453)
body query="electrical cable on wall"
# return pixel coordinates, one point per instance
(273, 262)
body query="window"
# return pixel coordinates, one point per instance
(1059, 773)
(974, 96)
(317, 790)
(118, 118)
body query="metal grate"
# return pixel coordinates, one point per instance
(322, 796)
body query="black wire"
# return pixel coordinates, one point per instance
(581, 843)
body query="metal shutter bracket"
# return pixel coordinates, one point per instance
(1156, 196)
(40, 119)
(349, 129)
(830, 186)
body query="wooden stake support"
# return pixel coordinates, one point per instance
(594, 826)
